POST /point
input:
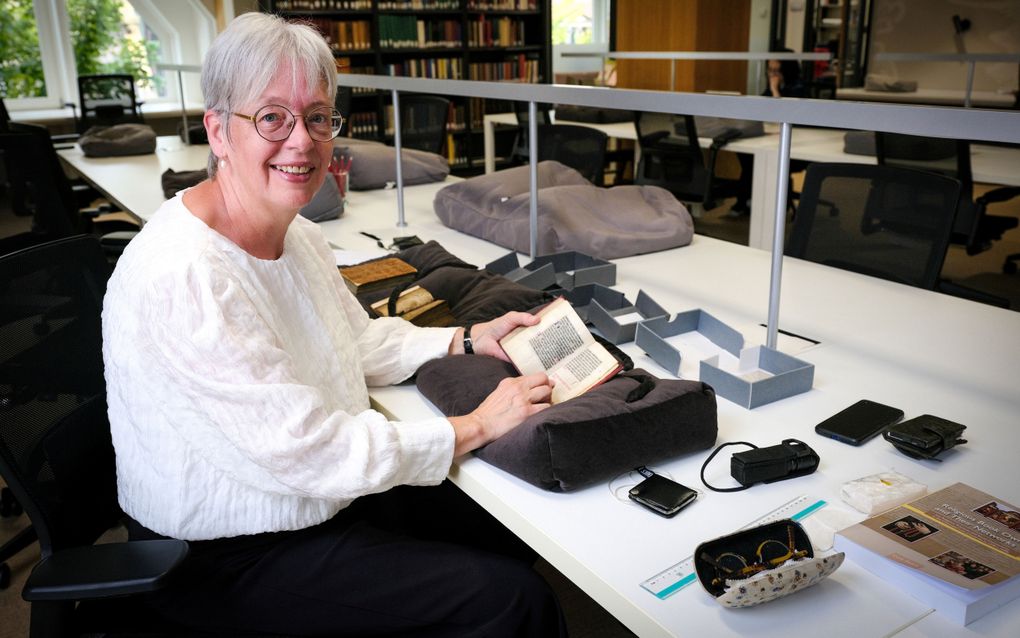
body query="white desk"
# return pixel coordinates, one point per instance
(939, 97)
(920, 351)
(877, 342)
(133, 183)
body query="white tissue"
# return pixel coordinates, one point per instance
(881, 492)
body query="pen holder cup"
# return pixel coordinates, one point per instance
(760, 564)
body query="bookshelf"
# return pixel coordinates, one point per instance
(492, 40)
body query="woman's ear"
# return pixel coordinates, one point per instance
(216, 132)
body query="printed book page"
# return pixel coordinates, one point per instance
(958, 534)
(562, 347)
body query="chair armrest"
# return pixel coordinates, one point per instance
(102, 571)
(999, 195)
(972, 294)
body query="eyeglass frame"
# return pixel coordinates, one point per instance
(333, 113)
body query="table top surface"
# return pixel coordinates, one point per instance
(920, 351)
(914, 349)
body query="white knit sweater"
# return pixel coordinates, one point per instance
(237, 386)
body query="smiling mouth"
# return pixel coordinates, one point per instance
(293, 170)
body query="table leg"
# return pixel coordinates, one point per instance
(489, 138)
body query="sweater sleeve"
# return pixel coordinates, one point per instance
(391, 349)
(214, 371)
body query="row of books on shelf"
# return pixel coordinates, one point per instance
(419, 5)
(439, 68)
(457, 151)
(345, 35)
(408, 32)
(364, 124)
(502, 5)
(504, 32)
(455, 120)
(323, 5)
(405, 5)
(518, 68)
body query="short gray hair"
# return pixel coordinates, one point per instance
(244, 58)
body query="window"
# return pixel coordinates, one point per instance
(47, 43)
(579, 26)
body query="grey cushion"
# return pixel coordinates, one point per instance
(374, 165)
(590, 438)
(573, 214)
(117, 140)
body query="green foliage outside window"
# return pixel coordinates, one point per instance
(101, 42)
(21, 72)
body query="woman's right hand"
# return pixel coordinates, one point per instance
(514, 400)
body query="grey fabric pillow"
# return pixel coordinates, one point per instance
(573, 214)
(631, 420)
(118, 140)
(374, 165)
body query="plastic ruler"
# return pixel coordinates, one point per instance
(673, 579)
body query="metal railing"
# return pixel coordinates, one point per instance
(931, 121)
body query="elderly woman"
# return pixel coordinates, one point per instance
(236, 367)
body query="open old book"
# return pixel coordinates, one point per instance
(561, 346)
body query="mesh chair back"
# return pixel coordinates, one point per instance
(881, 221)
(55, 449)
(423, 120)
(543, 116)
(39, 181)
(974, 227)
(579, 147)
(5, 117)
(670, 155)
(106, 100)
(344, 96)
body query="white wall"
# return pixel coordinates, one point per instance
(926, 26)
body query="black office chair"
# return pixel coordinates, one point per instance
(672, 158)
(423, 120)
(579, 147)
(42, 188)
(521, 148)
(107, 99)
(882, 221)
(342, 103)
(55, 449)
(974, 228)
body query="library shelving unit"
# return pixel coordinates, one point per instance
(494, 40)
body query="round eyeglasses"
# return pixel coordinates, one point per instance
(275, 123)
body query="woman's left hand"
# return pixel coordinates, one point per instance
(485, 336)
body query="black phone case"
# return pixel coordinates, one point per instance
(843, 426)
(662, 495)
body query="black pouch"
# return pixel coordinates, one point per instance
(789, 459)
(760, 564)
(925, 437)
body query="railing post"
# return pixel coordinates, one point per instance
(533, 175)
(400, 170)
(184, 107)
(782, 194)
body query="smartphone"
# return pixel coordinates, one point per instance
(859, 422)
(662, 495)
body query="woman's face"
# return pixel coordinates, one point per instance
(284, 175)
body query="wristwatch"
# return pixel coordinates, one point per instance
(469, 347)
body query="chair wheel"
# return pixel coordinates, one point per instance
(5, 576)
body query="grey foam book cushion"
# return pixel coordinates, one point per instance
(118, 140)
(573, 214)
(374, 165)
(631, 420)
